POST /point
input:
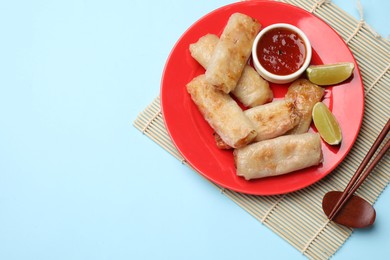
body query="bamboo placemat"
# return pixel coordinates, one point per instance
(298, 217)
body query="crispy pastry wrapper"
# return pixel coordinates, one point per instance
(270, 120)
(273, 119)
(203, 49)
(222, 113)
(278, 156)
(251, 89)
(232, 52)
(220, 143)
(304, 95)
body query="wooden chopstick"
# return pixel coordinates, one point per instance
(358, 177)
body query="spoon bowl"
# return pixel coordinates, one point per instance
(356, 212)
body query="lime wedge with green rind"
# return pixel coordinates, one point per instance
(330, 74)
(326, 124)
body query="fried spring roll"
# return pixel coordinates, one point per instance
(305, 95)
(270, 120)
(278, 156)
(232, 52)
(251, 89)
(203, 49)
(221, 112)
(273, 119)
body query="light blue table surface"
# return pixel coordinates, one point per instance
(78, 181)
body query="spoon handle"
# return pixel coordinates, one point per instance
(353, 185)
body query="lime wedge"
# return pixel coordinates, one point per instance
(329, 74)
(326, 124)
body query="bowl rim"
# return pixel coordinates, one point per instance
(288, 77)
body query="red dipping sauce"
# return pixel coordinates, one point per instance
(281, 51)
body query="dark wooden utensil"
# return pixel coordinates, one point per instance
(350, 210)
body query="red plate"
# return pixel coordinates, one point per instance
(193, 137)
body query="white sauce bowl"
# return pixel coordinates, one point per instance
(281, 79)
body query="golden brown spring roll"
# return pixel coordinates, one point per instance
(273, 119)
(221, 112)
(232, 52)
(305, 95)
(278, 156)
(251, 89)
(270, 120)
(203, 49)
